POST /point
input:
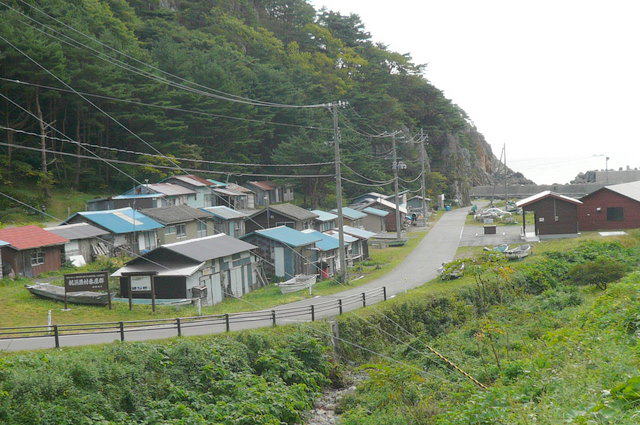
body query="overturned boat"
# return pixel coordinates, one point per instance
(54, 292)
(297, 283)
(518, 253)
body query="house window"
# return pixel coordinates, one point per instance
(202, 229)
(170, 230)
(37, 257)
(615, 214)
(181, 230)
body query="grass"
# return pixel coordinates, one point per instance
(63, 202)
(20, 308)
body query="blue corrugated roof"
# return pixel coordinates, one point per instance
(123, 220)
(324, 216)
(375, 211)
(139, 196)
(216, 182)
(360, 233)
(347, 237)
(327, 243)
(350, 213)
(288, 236)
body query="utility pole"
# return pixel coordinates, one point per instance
(336, 149)
(423, 162)
(395, 186)
(506, 172)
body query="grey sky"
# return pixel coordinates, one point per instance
(558, 81)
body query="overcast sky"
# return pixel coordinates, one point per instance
(557, 81)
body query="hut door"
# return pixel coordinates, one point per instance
(279, 260)
(216, 289)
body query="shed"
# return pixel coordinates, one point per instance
(172, 194)
(360, 249)
(227, 220)
(387, 205)
(325, 220)
(281, 215)
(200, 186)
(327, 262)
(351, 216)
(288, 251)
(84, 240)
(181, 222)
(375, 221)
(135, 201)
(611, 208)
(30, 250)
(351, 244)
(246, 202)
(212, 268)
(129, 230)
(554, 214)
(268, 192)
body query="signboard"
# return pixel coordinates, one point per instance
(77, 282)
(141, 283)
(93, 281)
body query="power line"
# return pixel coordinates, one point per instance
(164, 167)
(129, 67)
(364, 177)
(366, 184)
(162, 156)
(169, 108)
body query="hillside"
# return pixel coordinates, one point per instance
(548, 348)
(181, 57)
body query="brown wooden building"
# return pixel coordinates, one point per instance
(611, 207)
(30, 251)
(288, 215)
(554, 214)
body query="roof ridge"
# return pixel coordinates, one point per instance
(191, 240)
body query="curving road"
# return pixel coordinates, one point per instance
(420, 266)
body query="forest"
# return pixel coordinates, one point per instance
(139, 80)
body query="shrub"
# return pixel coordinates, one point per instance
(599, 272)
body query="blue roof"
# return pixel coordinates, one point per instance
(216, 182)
(287, 236)
(3, 243)
(324, 216)
(360, 233)
(123, 220)
(139, 196)
(350, 213)
(327, 243)
(375, 211)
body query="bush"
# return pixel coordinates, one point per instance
(599, 272)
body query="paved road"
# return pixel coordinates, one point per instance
(420, 266)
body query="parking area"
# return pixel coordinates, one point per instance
(474, 236)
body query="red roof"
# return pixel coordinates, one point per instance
(200, 179)
(27, 237)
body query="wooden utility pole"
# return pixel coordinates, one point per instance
(395, 186)
(423, 184)
(336, 149)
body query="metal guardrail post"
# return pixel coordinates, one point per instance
(384, 293)
(313, 313)
(227, 323)
(56, 336)
(364, 299)
(340, 306)
(121, 325)
(273, 317)
(178, 326)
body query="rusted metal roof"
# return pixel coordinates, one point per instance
(28, 237)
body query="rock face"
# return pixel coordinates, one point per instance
(466, 159)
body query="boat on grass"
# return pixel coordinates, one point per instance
(54, 292)
(518, 253)
(297, 283)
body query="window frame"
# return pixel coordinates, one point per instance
(619, 216)
(179, 234)
(39, 255)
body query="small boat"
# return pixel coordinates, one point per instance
(54, 292)
(499, 248)
(518, 253)
(297, 283)
(451, 271)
